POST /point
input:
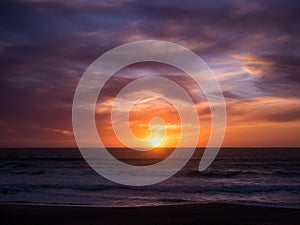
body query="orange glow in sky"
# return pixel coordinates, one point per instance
(252, 47)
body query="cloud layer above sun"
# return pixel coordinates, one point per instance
(251, 46)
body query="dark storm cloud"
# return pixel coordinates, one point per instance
(275, 74)
(224, 25)
(230, 95)
(45, 46)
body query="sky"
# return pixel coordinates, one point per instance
(252, 47)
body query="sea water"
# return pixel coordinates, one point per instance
(255, 176)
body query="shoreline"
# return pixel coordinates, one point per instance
(210, 213)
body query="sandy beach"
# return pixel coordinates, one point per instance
(174, 214)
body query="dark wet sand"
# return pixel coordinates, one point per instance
(206, 214)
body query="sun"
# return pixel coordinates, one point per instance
(155, 141)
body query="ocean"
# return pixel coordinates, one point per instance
(60, 176)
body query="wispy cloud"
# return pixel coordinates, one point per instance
(45, 46)
(64, 132)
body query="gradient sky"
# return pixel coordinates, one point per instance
(251, 46)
